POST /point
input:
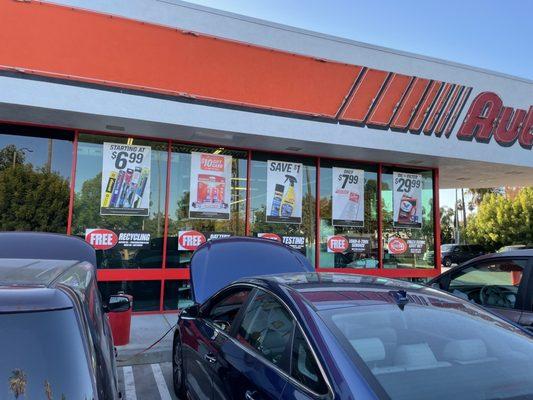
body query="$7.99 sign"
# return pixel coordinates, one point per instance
(125, 180)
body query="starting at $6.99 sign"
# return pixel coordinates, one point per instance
(125, 180)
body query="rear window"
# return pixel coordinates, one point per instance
(447, 247)
(42, 356)
(450, 351)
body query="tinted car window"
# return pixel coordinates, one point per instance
(42, 356)
(493, 284)
(304, 367)
(267, 327)
(224, 311)
(442, 349)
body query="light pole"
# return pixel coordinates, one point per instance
(23, 149)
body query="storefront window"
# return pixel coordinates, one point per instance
(177, 295)
(408, 226)
(348, 215)
(35, 167)
(207, 198)
(125, 223)
(146, 294)
(283, 196)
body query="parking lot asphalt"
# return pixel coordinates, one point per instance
(146, 382)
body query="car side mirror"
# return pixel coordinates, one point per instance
(191, 312)
(118, 303)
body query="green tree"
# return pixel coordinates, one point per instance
(10, 156)
(33, 200)
(446, 225)
(500, 221)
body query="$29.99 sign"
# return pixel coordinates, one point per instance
(407, 200)
(125, 180)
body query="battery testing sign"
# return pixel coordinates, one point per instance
(210, 186)
(348, 197)
(284, 192)
(125, 180)
(407, 200)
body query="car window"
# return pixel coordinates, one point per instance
(42, 356)
(223, 312)
(493, 284)
(267, 327)
(304, 367)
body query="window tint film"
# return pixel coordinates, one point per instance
(43, 357)
(267, 327)
(493, 284)
(304, 367)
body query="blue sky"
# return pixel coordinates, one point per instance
(490, 34)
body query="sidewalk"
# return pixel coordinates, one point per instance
(145, 330)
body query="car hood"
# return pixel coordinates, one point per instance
(219, 262)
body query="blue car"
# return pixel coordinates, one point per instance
(297, 334)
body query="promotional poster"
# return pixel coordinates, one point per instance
(297, 242)
(125, 180)
(210, 187)
(348, 207)
(105, 239)
(284, 192)
(407, 200)
(191, 240)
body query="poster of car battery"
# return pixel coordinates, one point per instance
(210, 186)
(284, 192)
(348, 207)
(407, 200)
(125, 180)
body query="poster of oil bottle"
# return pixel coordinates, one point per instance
(348, 208)
(125, 179)
(284, 192)
(407, 200)
(210, 186)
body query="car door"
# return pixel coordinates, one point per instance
(497, 284)
(254, 360)
(201, 338)
(526, 319)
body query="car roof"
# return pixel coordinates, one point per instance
(334, 290)
(30, 299)
(45, 246)
(30, 272)
(505, 254)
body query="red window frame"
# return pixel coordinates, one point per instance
(163, 274)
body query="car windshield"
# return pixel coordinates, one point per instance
(449, 351)
(42, 356)
(446, 247)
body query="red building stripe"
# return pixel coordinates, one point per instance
(410, 103)
(437, 108)
(425, 107)
(389, 101)
(364, 95)
(457, 111)
(454, 97)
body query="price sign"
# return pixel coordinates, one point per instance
(125, 180)
(407, 200)
(348, 197)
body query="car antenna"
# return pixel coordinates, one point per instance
(400, 297)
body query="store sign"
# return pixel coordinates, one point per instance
(125, 185)
(487, 117)
(297, 242)
(105, 239)
(348, 244)
(348, 197)
(191, 240)
(407, 200)
(416, 246)
(397, 245)
(284, 192)
(210, 186)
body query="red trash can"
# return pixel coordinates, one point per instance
(120, 324)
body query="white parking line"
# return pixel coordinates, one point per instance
(129, 383)
(160, 381)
